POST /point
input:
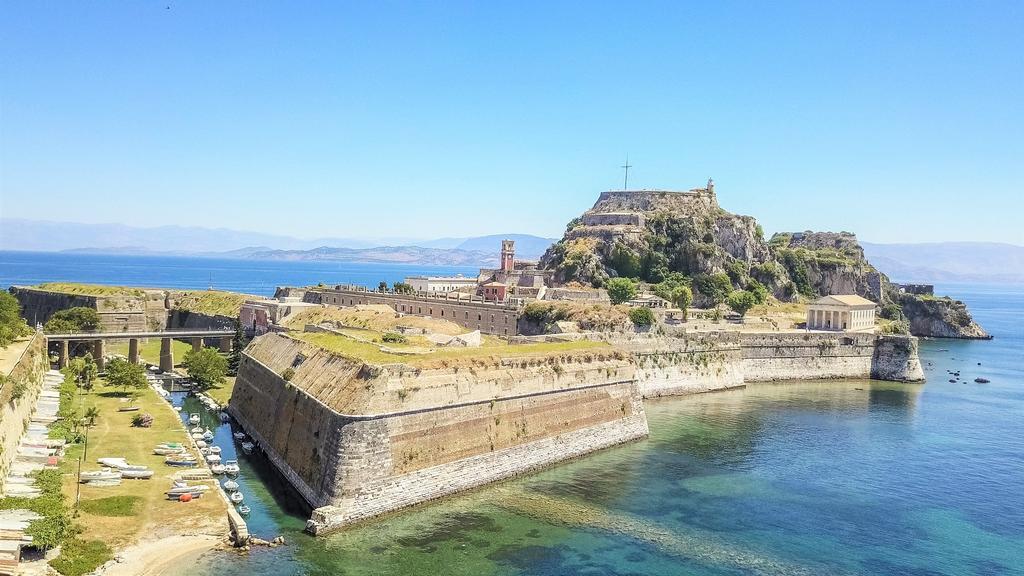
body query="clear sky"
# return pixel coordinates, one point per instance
(901, 121)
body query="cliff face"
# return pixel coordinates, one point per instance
(939, 317)
(650, 234)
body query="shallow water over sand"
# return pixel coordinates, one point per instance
(850, 477)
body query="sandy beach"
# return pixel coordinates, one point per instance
(156, 557)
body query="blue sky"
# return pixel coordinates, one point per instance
(898, 121)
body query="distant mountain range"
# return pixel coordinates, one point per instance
(927, 262)
(45, 236)
(949, 261)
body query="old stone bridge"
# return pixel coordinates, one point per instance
(196, 337)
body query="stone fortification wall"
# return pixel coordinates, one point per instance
(698, 199)
(362, 439)
(26, 374)
(613, 219)
(122, 313)
(487, 317)
(896, 359)
(186, 320)
(807, 356)
(684, 364)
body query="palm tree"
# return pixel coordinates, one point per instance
(91, 414)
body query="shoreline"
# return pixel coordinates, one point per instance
(155, 557)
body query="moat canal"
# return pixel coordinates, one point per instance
(852, 477)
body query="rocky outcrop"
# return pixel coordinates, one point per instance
(939, 317)
(649, 235)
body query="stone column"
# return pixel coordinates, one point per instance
(97, 354)
(166, 355)
(62, 356)
(133, 350)
(225, 343)
(197, 344)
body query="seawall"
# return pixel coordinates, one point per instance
(358, 440)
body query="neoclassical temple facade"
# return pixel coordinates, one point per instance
(841, 312)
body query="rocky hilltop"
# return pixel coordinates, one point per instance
(658, 235)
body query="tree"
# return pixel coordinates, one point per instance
(85, 371)
(70, 320)
(621, 290)
(11, 324)
(641, 316)
(238, 343)
(740, 301)
(758, 290)
(91, 414)
(382, 287)
(402, 288)
(715, 286)
(126, 375)
(206, 367)
(682, 297)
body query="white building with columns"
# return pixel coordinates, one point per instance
(841, 312)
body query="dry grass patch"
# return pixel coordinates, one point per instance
(91, 289)
(212, 302)
(376, 318)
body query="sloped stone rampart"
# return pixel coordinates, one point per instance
(447, 433)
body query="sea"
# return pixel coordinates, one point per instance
(792, 478)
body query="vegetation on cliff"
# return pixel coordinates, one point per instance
(82, 289)
(672, 240)
(73, 320)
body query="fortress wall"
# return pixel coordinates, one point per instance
(409, 459)
(185, 320)
(488, 318)
(14, 414)
(455, 429)
(807, 356)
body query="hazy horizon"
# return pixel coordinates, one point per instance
(897, 122)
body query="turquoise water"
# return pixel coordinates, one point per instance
(851, 477)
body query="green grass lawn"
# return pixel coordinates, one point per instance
(222, 393)
(119, 515)
(150, 350)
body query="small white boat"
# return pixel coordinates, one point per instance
(137, 474)
(224, 417)
(208, 435)
(197, 435)
(183, 460)
(231, 467)
(217, 468)
(193, 418)
(213, 458)
(214, 449)
(231, 485)
(120, 464)
(243, 510)
(204, 450)
(198, 429)
(247, 447)
(102, 475)
(239, 436)
(165, 451)
(177, 408)
(201, 444)
(236, 497)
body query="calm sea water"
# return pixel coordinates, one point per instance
(248, 276)
(850, 477)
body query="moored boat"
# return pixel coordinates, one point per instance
(217, 468)
(231, 467)
(193, 419)
(236, 497)
(247, 447)
(231, 485)
(243, 509)
(208, 435)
